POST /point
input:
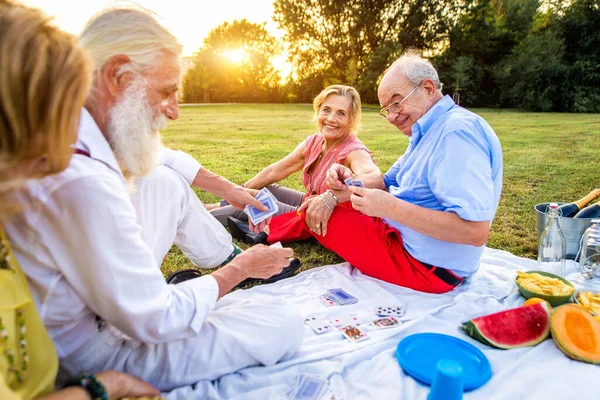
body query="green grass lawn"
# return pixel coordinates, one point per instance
(547, 157)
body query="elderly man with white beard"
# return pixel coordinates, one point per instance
(92, 255)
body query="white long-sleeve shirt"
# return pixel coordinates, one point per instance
(80, 244)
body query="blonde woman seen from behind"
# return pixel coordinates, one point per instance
(44, 80)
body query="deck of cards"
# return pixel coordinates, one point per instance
(308, 387)
(337, 297)
(267, 198)
(353, 182)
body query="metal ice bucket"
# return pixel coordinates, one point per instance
(573, 228)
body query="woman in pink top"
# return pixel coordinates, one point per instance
(337, 112)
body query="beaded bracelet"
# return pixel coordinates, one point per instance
(92, 385)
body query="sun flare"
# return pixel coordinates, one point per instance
(237, 56)
(282, 65)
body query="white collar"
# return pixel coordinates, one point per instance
(91, 140)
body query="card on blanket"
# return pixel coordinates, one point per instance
(319, 325)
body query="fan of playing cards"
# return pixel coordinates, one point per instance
(267, 198)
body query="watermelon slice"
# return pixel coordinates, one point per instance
(519, 327)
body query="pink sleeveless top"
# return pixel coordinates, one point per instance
(315, 183)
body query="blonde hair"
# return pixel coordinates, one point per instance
(44, 81)
(344, 91)
(131, 30)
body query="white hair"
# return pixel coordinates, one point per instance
(416, 69)
(130, 30)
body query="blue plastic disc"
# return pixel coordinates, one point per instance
(419, 354)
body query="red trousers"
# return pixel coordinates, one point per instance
(369, 244)
(288, 227)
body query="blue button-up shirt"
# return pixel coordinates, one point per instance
(453, 164)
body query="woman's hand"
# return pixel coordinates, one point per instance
(317, 214)
(260, 227)
(336, 175)
(119, 384)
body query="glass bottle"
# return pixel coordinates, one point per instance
(552, 249)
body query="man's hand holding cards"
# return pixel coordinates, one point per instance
(267, 198)
(353, 182)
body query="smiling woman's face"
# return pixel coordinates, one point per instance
(334, 117)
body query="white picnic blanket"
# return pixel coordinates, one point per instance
(369, 369)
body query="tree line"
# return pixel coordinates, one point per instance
(541, 55)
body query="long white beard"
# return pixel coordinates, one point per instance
(133, 131)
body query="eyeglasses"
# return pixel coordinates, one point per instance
(397, 106)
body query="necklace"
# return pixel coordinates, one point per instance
(10, 354)
(20, 373)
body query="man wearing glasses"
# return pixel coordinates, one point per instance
(433, 209)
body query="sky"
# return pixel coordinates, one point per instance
(189, 20)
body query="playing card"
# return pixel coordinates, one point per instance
(277, 245)
(267, 198)
(319, 325)
(389, 311)
(353, 182)
(345, 320)
(327, 301)
(342, 297)
(353, 334)
(384, 323)
(308, 387)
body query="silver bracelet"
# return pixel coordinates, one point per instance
(326, 205)
(334, 196)
(328, 201)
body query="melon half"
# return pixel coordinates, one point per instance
(576, 333)
(518, 327)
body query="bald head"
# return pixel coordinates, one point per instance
(412, 67)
